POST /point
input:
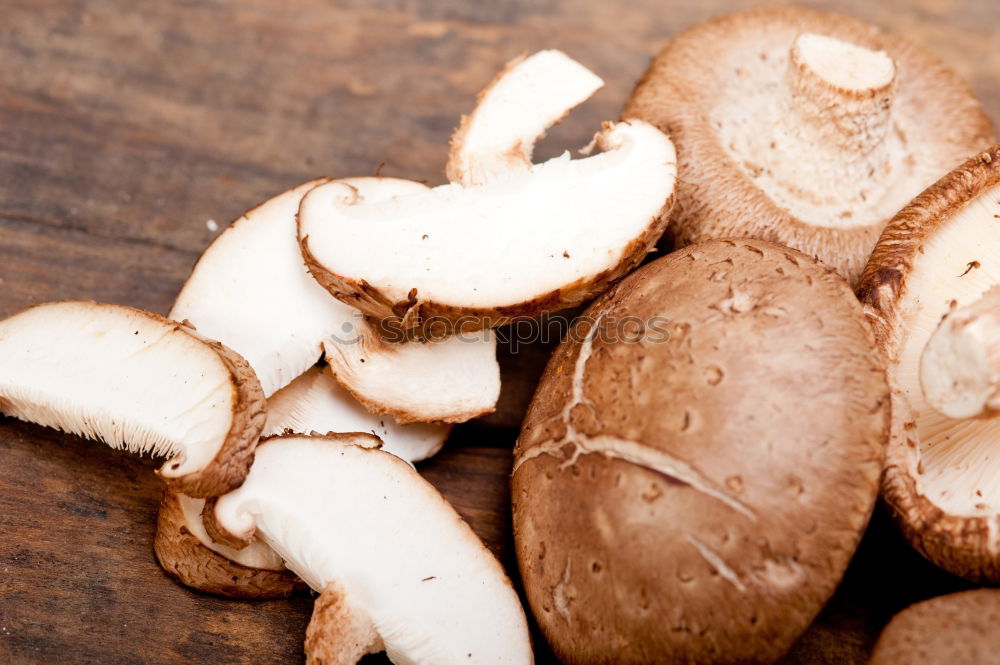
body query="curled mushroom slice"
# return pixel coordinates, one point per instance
(960, 366)
(185, 550)
(251, 291)
(315, 402)
(136, 381)
(514, 110)
(803, 127)
(939, 259)
(465, 258)
(397, 566)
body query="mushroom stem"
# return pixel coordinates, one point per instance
(960, 365)
(842, 93)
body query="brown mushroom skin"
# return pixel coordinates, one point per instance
(192, 564)
(717, 198)
(959, 544)
(957, 629)
(697, 499)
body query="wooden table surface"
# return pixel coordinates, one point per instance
(126, 127)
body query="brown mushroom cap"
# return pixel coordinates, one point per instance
(775, 142)
(695, 496)
(957, 629)
(189, 561)
(942, 476)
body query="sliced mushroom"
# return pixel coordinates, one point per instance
(960, 366)
(700, 460)
(941, 253)
(514, 110)
(136, 381)
(251, 291)
(188, 554)
(464, 258)
(315, 402)
(804, 127)
(957, 629)
(396, 566)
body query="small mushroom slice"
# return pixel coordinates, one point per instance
(464, 258)
(804, 127)
(957, 629)
(525, 99)
(960, 366)
(939, 258)
(251, 291)
(315, 402)
(384, 548)
(188, 554)
(136, 381)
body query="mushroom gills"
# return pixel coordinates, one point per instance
(514, 111)
(540, 238)
(135, 381)
(399, 555)
(251, 291)
(960, 262)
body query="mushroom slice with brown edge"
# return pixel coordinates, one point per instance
(958, 629)
(136, 381)
(185, 550)
(458, 258)
(525, 99)
(251, 291)
(804, 127)
(960, 365)
(936, 260)
(397, 568)
(314, 402)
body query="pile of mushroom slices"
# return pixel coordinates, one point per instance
(264, 383)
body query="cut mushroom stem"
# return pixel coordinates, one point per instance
(136, 381)
(839, 98)
(960, 365)
(396, 566)
(514, 111)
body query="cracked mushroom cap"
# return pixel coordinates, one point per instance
(467, 258)
(397, 568)
(314, 402)
(804, 127)
(710, 436)
(251, 291)
(136, 381)
(939, 259)
(957, 629)
(526, 98)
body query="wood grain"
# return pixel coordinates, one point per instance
(125, 127)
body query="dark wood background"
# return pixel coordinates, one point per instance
(125, 127)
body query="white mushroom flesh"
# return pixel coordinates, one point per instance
(368, 524)
(527, 98)
(120, 376)
(509, 242)
(255, 555)
(315, 402)
(959, 459)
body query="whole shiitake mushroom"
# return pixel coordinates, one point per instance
(700, 459)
